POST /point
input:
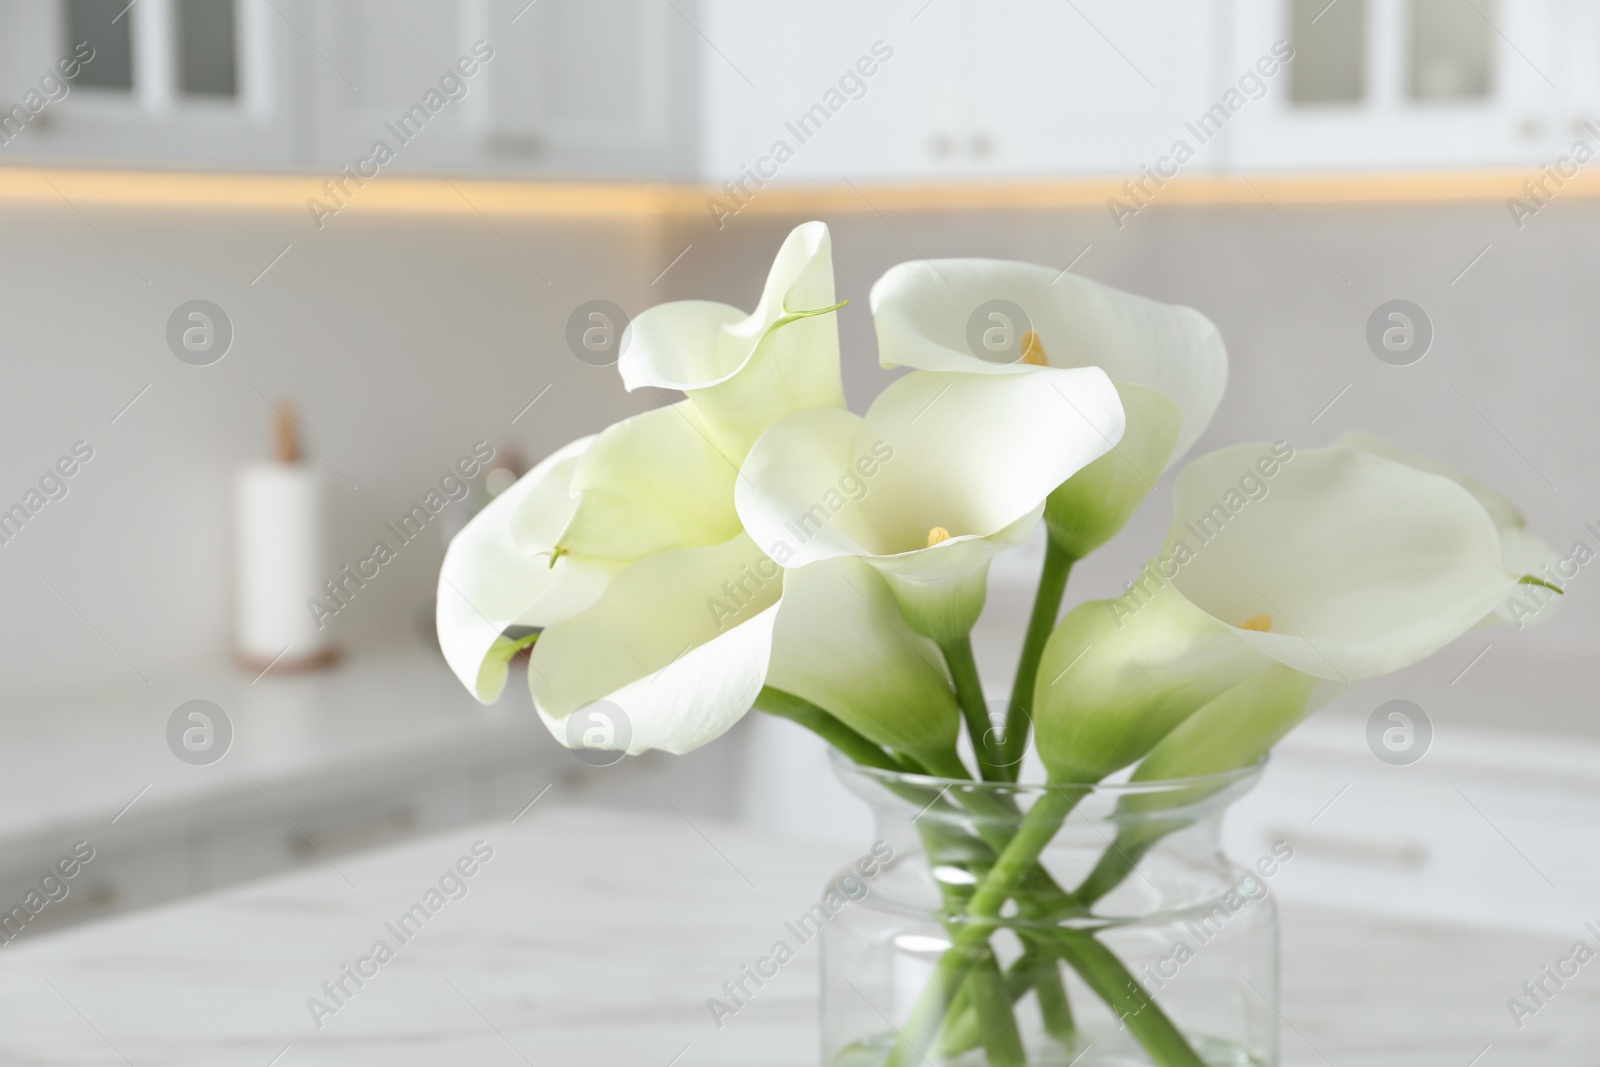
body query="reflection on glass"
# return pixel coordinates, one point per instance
(1450, 42)
(1330, 54)
(206, 49)
(107, 26)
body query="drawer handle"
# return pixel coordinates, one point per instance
(375, 832)
(1361, 851)
(79, 905)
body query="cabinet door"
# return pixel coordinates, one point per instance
(1401, 83)
(384, 72)
(1578, 75)
(827, 90)
(607, 88)
(1091, 86)
(559, 87)
(958, 88)
(191, 81)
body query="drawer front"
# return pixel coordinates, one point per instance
(1423, 846)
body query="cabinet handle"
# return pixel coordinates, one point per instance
(379, 830)
(1361, 851)
(79, 905)
(516, 145)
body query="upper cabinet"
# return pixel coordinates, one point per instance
(1404, 84)
(738, 93)
(597, 88)
(953, 87)
(604, 88)
(165, 81)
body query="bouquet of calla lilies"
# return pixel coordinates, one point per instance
(758, 545)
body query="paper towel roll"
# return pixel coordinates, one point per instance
(279, 554)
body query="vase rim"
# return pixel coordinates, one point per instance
(843, 766)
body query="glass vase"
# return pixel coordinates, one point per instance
(1019, 925)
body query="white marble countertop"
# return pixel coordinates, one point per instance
(595, 937)
(72, 765)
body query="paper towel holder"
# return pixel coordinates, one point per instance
(266, 610)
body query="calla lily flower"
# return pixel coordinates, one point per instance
(1168, 363)
(942, 473)
(1233, 730)
(1239, 726)
(502, 571)
(1245, 722)
(651, 482)
(1337, 563)
(1520, 550)
(678, 641)
(842, 644)
(679, 634)
(743, 372)
(681, 649)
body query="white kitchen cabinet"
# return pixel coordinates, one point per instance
(173, 82)
(1406, 84)
(956, 87)
(574, 87)
(1479, 832)
(320, 766)
(373, 62)
(708, 90)
(608, 88)
(557, 88)
(1088, 87)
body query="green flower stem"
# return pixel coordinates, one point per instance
(1038, 969)
(852, 744)
(1014, 870)
(1096, 964)
(1116, 985)
(1051, 993)
(997, 1024)
(1046, 607)
(969, 692)
(992, 814)
(959, 1031)
(1002, 1044)
(1038, 895)
(970, 941)
(1120, 859)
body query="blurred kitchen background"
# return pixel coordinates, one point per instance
(1336, 156)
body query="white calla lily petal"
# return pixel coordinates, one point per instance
(498, 572)
(1520, 551)
(1088, 509)
(1506, 515)
(1238, 726)
(1364, 565)
(1113, 681)
(745, 372)
(841, 644)
(1232, 731)
(1336, 563)
(684, 344)
(972, 456)
(679, 641)
(923, 311)
(651, 482)
(941, 589)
